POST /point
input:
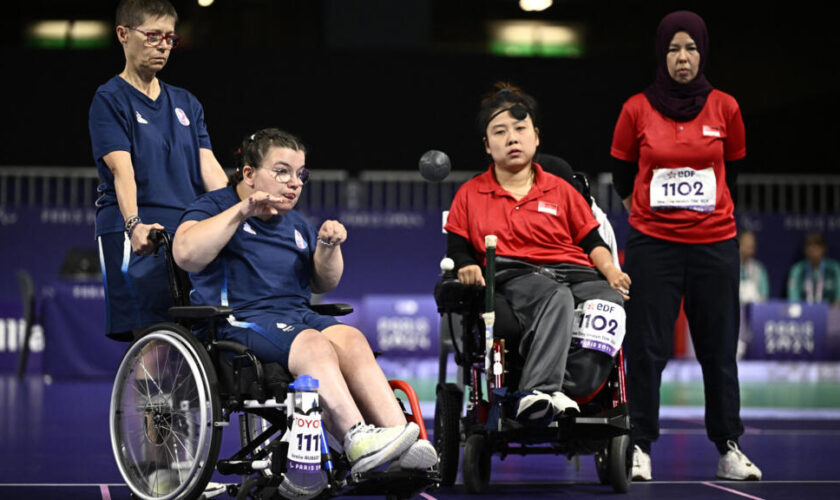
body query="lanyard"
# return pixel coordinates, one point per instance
(814, 292)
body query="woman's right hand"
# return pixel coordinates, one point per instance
(140, 242)
(471, 275)
(261, 203)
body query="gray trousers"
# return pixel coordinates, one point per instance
(545, 307)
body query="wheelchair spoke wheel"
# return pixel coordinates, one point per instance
(447, 431)
(163, 408)
(620, 463)
(476, 467)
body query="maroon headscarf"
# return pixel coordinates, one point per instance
(679, 101)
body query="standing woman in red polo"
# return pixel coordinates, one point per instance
(542, 224)
(675, 148)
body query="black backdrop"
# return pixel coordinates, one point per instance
(366, 102)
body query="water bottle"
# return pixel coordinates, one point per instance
(304, 477)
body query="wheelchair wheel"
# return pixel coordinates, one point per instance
(163, 409)
(620, 464)
(448, 431)
(476, 466)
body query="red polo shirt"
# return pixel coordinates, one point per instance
(544, 227)
(714, 136)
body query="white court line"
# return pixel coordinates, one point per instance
(698, 412)
(427, 496)
(764, 432)
(773, 481)
(106, 493)
(53, 485)
(776, 481)
(756, 413)
(653, 483)
(730, 490)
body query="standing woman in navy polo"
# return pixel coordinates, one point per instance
(676, 148)
(154, 157)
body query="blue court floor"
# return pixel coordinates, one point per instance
(54, 444)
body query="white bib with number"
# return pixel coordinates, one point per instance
(304, 434)
(683, 188)
(599, 325)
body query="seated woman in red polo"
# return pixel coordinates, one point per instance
(539, 219)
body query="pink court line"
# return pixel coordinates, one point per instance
(730, 490)
(106, 493)
(427, 496)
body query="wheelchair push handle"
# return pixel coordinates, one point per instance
(159, 238)
(178, 280)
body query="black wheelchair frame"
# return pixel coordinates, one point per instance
(177, 409)
(601, 429)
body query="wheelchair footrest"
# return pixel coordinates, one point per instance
(400, 483)
(241, 467)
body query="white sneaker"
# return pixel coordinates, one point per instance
(564, 404)
(162, 482)
(534, 406)
(736, 466)
(641, 465)
(367, 447)
(420, 455)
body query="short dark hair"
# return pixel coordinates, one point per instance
(504, 96)
(134, 12)
(815, 239)
(256, 146)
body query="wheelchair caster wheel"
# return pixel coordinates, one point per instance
(620, 463)
(252, 488)
(476, 466)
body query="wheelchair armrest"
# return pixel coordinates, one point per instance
(453, 296)
(332, 309)
(199, 312)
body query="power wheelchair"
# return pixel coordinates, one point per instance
(487, 367)
(174, 394)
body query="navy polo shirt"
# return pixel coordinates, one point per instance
(266, 265)
(163, 136)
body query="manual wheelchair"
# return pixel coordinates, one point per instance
(594, 379)
(174, 394)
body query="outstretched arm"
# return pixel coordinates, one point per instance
(197, 243)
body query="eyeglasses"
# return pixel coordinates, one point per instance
(284, 175)
(155, 38)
